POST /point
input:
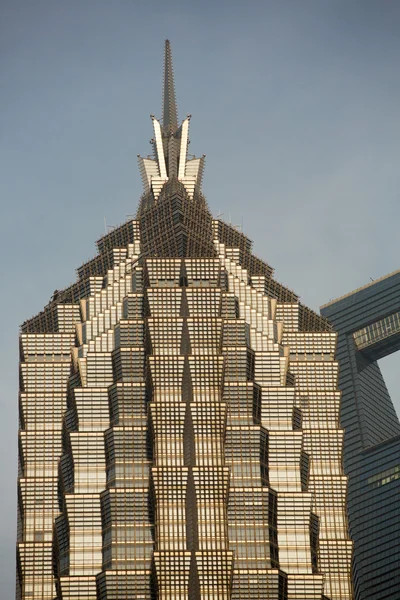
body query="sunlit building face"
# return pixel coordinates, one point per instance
(179, 411)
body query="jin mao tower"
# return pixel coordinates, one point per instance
(179, 415)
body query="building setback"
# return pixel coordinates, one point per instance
(179, 414)
(368, 323)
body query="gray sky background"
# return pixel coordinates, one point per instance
(295, 103)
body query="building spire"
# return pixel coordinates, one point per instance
(170, 145)
(170, 113)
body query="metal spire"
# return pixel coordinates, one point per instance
(170, 113)
(170, 145)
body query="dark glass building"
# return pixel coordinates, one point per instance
(368, 323)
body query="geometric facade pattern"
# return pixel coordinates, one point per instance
(179, 433)
(368, 323)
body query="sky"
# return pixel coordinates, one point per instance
(295, 104)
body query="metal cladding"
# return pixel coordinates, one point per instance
(170, 159)
(179, 411)
(170, 111)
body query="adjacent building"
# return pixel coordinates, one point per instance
(179, 415)
(368, 323)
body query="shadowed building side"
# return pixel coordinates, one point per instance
(368, 324)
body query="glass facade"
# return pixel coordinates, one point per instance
(382, 336)
(180, 433)
(367, 321)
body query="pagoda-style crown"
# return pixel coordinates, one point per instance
(170, 144)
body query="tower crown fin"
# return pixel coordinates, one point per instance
(170, 113)
(170, 146)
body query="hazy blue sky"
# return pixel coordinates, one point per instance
(296, 104)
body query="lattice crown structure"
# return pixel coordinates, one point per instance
(179, 416)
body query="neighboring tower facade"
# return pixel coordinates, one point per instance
(179, 407)
(368, 323)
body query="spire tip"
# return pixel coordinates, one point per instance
(170, 113)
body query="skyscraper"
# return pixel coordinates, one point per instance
(368, 323)
(179, 415)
